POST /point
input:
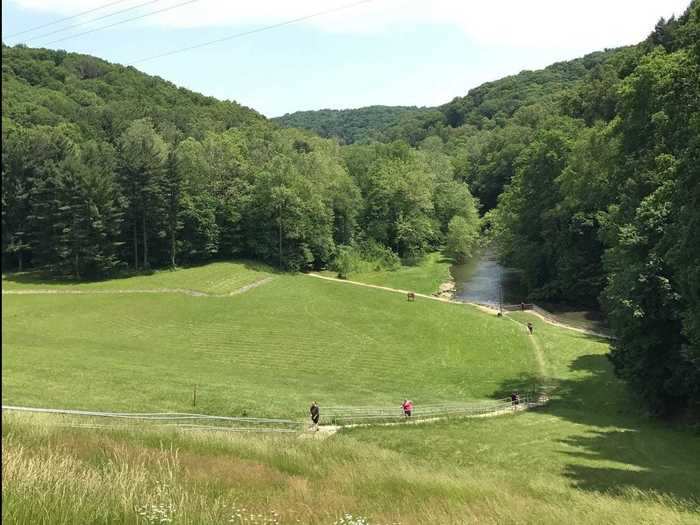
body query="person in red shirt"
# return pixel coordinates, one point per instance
(407, 407)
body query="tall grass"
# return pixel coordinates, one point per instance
(56, 475)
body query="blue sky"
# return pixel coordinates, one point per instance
(394, 52)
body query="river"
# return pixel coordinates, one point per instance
(482, 279)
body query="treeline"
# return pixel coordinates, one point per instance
(604, 205)
(350, 126)
(88, 190)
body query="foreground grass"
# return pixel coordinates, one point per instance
(214, 278)
(267, 352)
(424, 277)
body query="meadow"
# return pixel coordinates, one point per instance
(425, 276)
(589, 456)
(267, 352)
(217, 278)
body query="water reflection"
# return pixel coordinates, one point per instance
(482, 279)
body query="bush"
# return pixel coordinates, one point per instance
(367, 256)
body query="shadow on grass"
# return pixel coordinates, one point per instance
(623, 452)
(42, 277)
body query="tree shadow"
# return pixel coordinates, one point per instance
(42, 277)
(624, 452)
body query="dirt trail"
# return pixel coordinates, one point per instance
(326, 431)
(481, 307)
(539, 354)
(185, 291)
(386, 288)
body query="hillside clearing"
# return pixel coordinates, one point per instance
(267, 352)
(587, 457)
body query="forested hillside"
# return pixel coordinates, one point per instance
(350, 126)
(604, 205)
(105, 168)
(589, 176)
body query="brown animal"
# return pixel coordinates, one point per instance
(411, 296)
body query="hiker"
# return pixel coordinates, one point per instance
(514, 398)
(407, 407)
(529, 327)
(315, 414)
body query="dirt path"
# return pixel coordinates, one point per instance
(326, 431)
(386, 288)
(481, 307)
(185, 291)
(539, 354)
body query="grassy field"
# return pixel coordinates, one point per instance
(266, 352)
(425, 277)
(214, 278)
(590, 456)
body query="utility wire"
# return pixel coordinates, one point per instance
(94, 19)
(120, 22)
(253, 31)
(67, 18)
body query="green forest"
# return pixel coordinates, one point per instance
(350, 126)
(585, 175)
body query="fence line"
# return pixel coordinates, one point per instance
(181, 420)
(336, 415)
(341, 415)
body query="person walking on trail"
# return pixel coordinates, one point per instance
(529, 327)
(514, 399)
(407, 407)
(315, 415)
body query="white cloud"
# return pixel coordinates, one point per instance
(567, 24)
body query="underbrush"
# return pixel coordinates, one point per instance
(368, 256)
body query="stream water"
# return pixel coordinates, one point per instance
(482, 279)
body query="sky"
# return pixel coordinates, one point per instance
(390, 52)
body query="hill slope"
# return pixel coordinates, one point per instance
(47, 87)
(265, 352)
(587, 457)
(485, 105)
(350, 125)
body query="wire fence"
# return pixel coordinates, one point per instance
(179, 420)
(332, 415)
(348, 415)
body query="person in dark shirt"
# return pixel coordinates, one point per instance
(529, 327)
(515, 399)
(315, 414)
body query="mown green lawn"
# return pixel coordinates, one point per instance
(214, 278)
(266, 352)
(424, 277)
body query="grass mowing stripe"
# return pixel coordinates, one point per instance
(264, 353)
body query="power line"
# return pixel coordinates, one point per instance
(94, 19)
(67, 18)
(120, 22)
(253, 31)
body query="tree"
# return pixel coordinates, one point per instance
(462, 237)
(142, 160)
